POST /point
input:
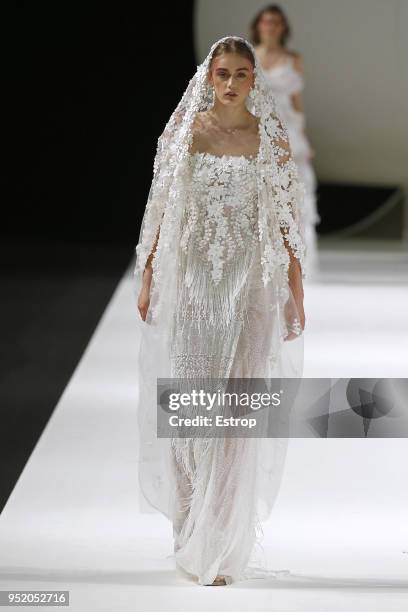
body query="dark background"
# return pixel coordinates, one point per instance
(95, 86)
(88, 89)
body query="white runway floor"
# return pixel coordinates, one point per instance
(340, 523)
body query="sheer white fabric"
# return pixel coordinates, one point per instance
(284, 81)
(220, 483)
(221, 306)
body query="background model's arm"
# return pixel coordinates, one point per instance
(297, 98)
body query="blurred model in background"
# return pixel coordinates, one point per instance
(283, 69)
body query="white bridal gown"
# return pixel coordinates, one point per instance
(284, 81)
(223, 327)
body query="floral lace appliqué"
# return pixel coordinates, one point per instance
(222, 212)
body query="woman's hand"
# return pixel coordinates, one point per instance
(295, 315)
(294, 310)
(302, 316)
(300, 311)
(144, 295)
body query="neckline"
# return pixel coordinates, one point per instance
(252, 159)
(285, 64)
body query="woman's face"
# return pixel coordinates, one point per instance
(232, 77)
(270, 27)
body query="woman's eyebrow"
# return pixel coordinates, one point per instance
(243, 68)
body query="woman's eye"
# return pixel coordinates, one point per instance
(225, 75)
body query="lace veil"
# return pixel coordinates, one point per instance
(280, 193)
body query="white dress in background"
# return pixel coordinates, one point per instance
(221, 483)
(284, 80)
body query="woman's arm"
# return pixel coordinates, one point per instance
(282, 146)
(294, 274)
(148, 269)
(163, 142)
(297, 98)
(144, 295)
(296, 286)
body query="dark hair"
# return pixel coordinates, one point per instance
(277, 10)
(231, 45)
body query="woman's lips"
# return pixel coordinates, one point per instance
(231, 95)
